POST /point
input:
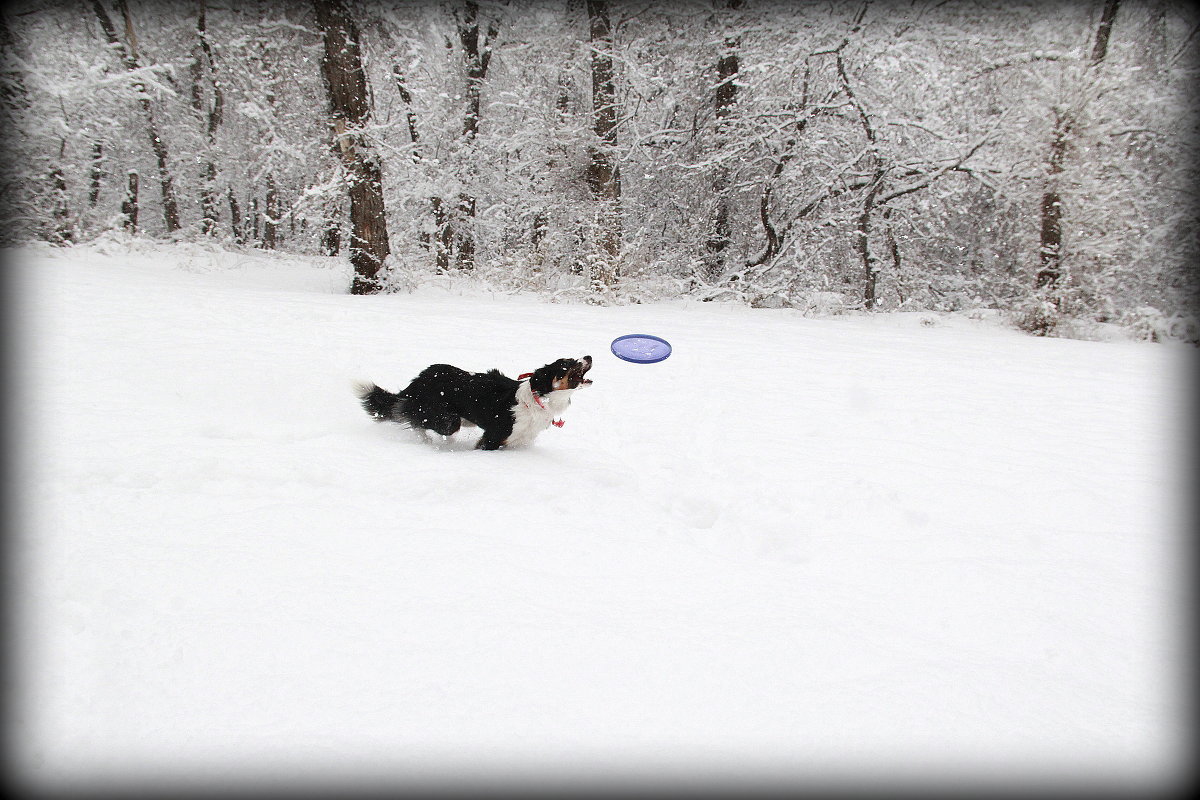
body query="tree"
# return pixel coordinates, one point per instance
(884, 180)
(129, 57)
(603, 173)
(211, 114)
(14, 104)
(1065, 121)
(439, 239)
(724, 99)
(349, 113)
(477, 55)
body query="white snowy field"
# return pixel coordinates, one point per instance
(799, 551)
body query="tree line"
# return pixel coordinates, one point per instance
(878, 155)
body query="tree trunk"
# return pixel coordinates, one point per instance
(537, 232)
(235, 219)
(862, 233)
(212, 117)
(465, 254)
(603, 174)
(724, 99)
(208, 200)
(409, 115)
(349, 111)
(1104, 30)
(60, 210)
(129, 206)
(889, 234)
(1051, 239)
(96, 174)
(331, 238)
(476, 56)
(130, 58)
(271, 217)
(1050, 244)
(443, 236)
(862, 244)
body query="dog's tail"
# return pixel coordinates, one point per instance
(380, 403)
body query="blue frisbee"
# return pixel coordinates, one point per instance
(641, 348)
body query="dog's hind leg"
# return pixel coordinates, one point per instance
(446, 423)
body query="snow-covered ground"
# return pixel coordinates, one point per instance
(854, 549)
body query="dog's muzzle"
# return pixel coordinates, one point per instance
(575, 375)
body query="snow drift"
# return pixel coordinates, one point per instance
(799, 550)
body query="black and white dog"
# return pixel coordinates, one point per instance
(510, 412)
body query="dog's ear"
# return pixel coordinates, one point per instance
(542, 380)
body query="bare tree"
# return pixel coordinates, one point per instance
(440, 241)
(603, 173)
(1066, 118)
(724, 100)
(211, 114)
(349, 112)
(477, 55)
(129, 56)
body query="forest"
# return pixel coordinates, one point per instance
(936, 155)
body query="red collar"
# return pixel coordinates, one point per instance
(536, 398)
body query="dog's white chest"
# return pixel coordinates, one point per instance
(531, 417)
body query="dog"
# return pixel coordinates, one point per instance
(511, 413)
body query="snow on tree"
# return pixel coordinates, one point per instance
(891, 156)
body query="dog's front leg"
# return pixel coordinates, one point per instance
(490, 441)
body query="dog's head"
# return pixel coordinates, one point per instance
(561, 375)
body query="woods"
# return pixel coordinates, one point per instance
(1034, 159)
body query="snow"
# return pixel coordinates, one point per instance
(845, 550)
